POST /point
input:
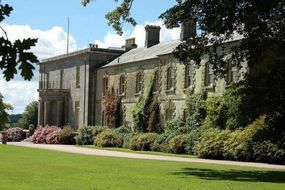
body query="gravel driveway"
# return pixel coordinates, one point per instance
(98, 152)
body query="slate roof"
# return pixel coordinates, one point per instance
(143, 53)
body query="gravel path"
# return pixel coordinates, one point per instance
(98, 152)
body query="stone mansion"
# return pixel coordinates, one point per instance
(73, 85)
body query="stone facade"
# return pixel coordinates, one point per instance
(67, 85)
(172, 99)
(72, 86)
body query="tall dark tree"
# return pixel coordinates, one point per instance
(262, 27)
(15, 54)
(30, 115)
(4, 117)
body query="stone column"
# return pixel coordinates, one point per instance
(46, 113)
(41, 113)
(66, 108)
(60, 114)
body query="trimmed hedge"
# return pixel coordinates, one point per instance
(15, 134)
(86, 134)
(108, 139)
(67, 135)
(177, 144)
(47, 135)
(143, 141)
(212, 143)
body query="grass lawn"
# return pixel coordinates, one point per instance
(28, 169)
(140, 152)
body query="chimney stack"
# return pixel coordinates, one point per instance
(151, 35)
(188, 29)
(130, 44)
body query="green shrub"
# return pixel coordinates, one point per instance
(238, 111)
(192, 139)
(86, 134)
(32, 129)
(216, 113)
(177, 144)
(175, 126)
(126, 133)
(161, 142)
(67, 135)
(239, 144)
(196, 113)
(266, 151)
(141, 109)
(127, 139)
(122, 130)
(146, 112)
(229, 111)
(211, 143)
(108, 138)
(143, 141)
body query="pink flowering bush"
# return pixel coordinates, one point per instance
(15, 134)
(47, 135)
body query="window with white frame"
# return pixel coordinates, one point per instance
(122, 86)
(156, 81)
(139, 82)
(170, 78)
(188, 75)
(233, 72)
(209, 75)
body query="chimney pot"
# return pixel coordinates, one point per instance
(152, 35)
(130, 44)
(188, 29)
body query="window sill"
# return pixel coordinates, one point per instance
(170, 91)
(189, 88)
(210, 87)
(138, 93)
(122, 94)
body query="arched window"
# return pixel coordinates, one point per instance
(188, 75)
(232, 72)
(122, 86)
(209, 74)
(105, 84)
(170, 78)
(139, 82)
(156, 81)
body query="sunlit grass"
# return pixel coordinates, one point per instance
(28, 169)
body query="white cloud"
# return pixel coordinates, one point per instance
(50, 43)
(112, 39)
(18, 93)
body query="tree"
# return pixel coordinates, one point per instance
(4, 117)
(15, 54)
(261, 25)
(119, 15)
(30, 115)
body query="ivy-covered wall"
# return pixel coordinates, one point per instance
(173, 99)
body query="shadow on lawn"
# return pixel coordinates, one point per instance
(234, 175)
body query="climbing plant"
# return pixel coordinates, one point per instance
(112, 109)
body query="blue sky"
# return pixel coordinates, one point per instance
(47, 21)
(86, 23)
